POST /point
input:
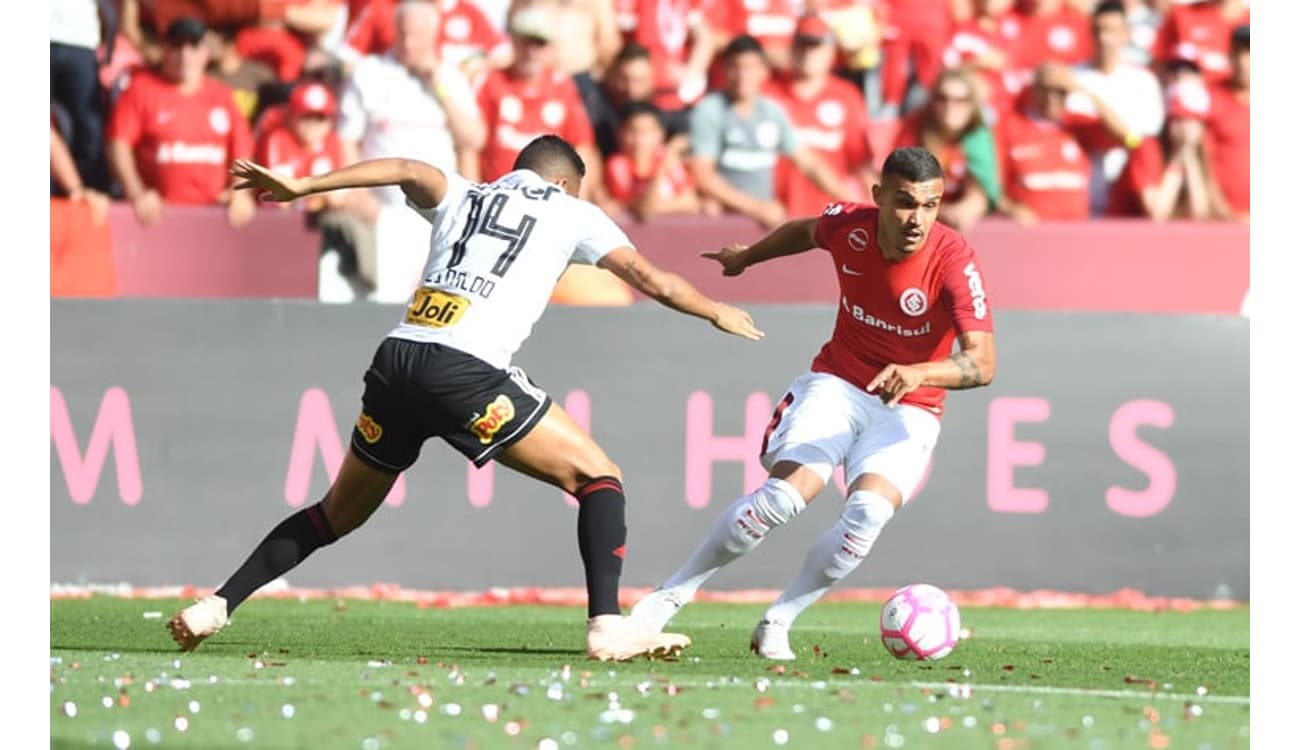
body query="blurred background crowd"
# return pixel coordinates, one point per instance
(1039, 110)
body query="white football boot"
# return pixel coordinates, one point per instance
(204, 618)
(771, 640)
(655, 610)
(618, 638)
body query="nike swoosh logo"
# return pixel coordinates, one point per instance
(845, 268)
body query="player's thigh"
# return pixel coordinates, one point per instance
(558, 451)
(811, 430)
(486, 410)
(891, 454)
(356, 494)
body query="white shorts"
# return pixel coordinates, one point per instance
(823, 422)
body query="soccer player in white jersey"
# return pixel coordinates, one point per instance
(872, 399)
(496, 251)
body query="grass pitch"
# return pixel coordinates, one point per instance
(369, 675)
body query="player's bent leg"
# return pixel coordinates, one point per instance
(355, 494)
(737, 531)
(871, 503)
(557, 451)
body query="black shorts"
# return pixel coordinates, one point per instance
(417, 390)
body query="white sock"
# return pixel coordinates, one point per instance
(738, 530)
(835, 554)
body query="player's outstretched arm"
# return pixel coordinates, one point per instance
(972, 367)
(424, 184)
(673, 291)
(791, 238)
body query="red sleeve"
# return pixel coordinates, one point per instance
(482, 32)
(363, 33)
(963, 290)
(833, 216)
(127, 121)
(619, 178)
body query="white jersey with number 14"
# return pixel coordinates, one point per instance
(495, 253)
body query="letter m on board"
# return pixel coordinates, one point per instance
(112, 428)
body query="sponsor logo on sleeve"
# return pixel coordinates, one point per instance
(370, 430)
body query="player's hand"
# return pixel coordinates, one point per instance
(735, 321)
(732, 258)
(148, 207)
(267, 185)
(894, 382)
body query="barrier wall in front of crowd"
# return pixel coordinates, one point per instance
(1101, 458)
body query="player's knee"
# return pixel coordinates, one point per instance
(777, 501)
(594, 467)
(867, 511)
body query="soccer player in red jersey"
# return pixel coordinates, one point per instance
(874, 395)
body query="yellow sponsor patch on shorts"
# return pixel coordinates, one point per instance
(497, 414)
(370, 430)
(434, 308)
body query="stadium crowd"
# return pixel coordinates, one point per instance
(1039, 110)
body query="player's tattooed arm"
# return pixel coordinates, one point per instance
(970, 372)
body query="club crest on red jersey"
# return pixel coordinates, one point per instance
(914, 302)
(858, 239)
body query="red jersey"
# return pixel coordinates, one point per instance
(516, 112)
(183, 144)
(832, 122)
(1045, 168)
(1144, 169)
(771, 22)
(625, 185)
(897, 312)
(1227, 144)
(1064, 36)
(1200, 33)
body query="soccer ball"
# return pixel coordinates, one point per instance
(920, 621)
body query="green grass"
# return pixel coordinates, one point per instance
(362, 675)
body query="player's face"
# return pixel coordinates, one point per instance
(954, 103)
(312, 129)
(908, 211)
(416, 35)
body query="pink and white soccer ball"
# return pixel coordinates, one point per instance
(920, 621)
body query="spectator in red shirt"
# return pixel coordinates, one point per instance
(1045, 169)
(985, 40)
(951, 126)
(1227, 136)
(1202, 32)
(771, 22)
(829, 116)
(647, 177)
(174, 134)
(532, 98)
(465, 35)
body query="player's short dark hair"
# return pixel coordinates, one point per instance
(741, 45)
(1241, 38)
(912, 164)
(1109, 6)
(631, 51)
(636, 109)
(551, 156)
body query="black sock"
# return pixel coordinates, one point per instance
(602, 538)
(287, 545)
